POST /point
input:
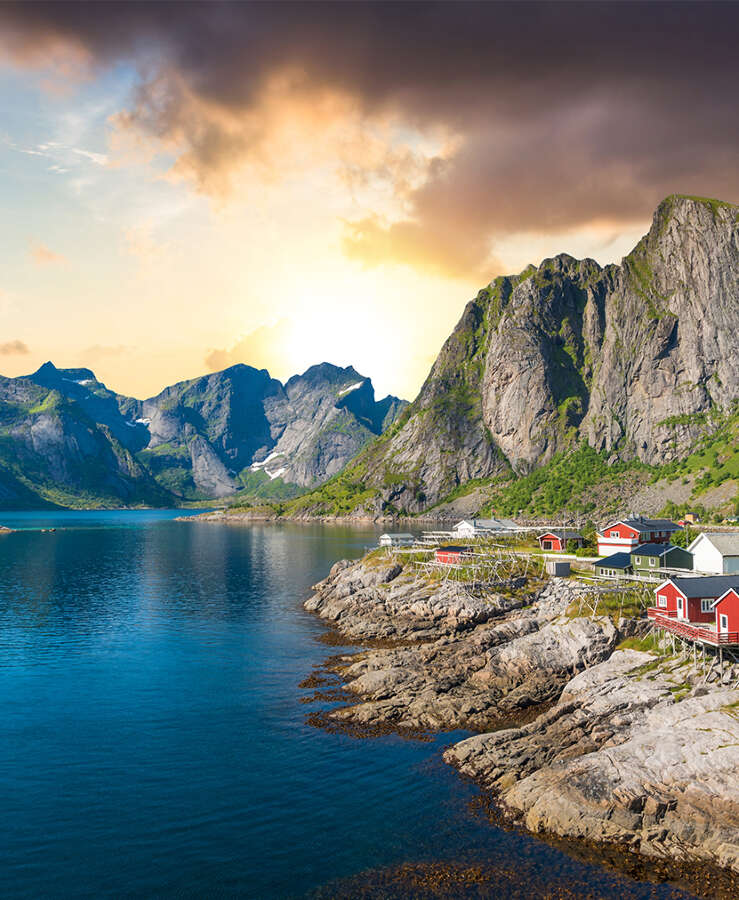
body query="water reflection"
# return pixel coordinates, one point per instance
(154, 743)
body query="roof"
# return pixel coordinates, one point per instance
(562, 534)
(495, 524)
(641, 523)
(451, 548)
(616, 561)
(398, 534)
(726, 542)
(705, 585)
(725, 593)
(654, 549)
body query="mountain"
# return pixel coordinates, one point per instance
(66, 439)
(633, 360)
(213, 435)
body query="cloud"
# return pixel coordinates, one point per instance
(265, 347)
(43, 256)
(14, 348)
(557, 116)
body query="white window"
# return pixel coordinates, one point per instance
(614, 534)
(662, 601)
(706, 604)
(652, 561)
(637, 560)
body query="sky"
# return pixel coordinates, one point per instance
(187, 186)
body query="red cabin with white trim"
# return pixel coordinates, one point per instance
(727, 612)
(557, 540)
(450, 555)
(689, 599)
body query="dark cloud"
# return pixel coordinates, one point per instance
(567, 113)
(14, 348)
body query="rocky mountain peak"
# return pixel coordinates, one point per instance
(630, 358)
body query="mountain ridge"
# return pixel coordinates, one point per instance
(66, 439)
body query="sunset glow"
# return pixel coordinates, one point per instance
(166, 214)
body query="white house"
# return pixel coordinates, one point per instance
(399, 539)
(469, 528)
(716, 552)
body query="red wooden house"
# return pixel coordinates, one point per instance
(557, 540)
(626, 534)
(693, 607)
(450, 555)
(727, 614)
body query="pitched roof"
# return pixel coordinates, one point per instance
(721, 596)
(616, 561)
(705, 585)
(397, 534)
(562, 534)
(726, 542)
(653, 549)
(641, 523)
(452, 548)
(488, 524)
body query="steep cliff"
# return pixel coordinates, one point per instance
(634, 359)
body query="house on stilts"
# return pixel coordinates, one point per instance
(702, 610)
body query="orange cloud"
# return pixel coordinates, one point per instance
(14, 348)
(439, 247)
(266, 347)
(43, 256)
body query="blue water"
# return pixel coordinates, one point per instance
(153, 739)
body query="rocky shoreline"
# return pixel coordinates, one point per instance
(581, 733)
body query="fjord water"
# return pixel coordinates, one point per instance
(153, 738)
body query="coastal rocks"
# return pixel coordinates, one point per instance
(617, 759)
(583, 740)
(378, 599)
(466, 661)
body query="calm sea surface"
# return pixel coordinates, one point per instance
(153, 740)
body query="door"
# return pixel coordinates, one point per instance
(723, 622)
(680, 608)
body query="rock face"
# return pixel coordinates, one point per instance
(630, 748)
(67, 437)
(618, 760)
(631, 358)
(240, 426)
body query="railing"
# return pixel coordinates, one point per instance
(704, 633)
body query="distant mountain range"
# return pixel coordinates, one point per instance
(66, 439)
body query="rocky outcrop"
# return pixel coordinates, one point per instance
(634, 359)
(608, 745)
(463, 660)
(618, 760)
